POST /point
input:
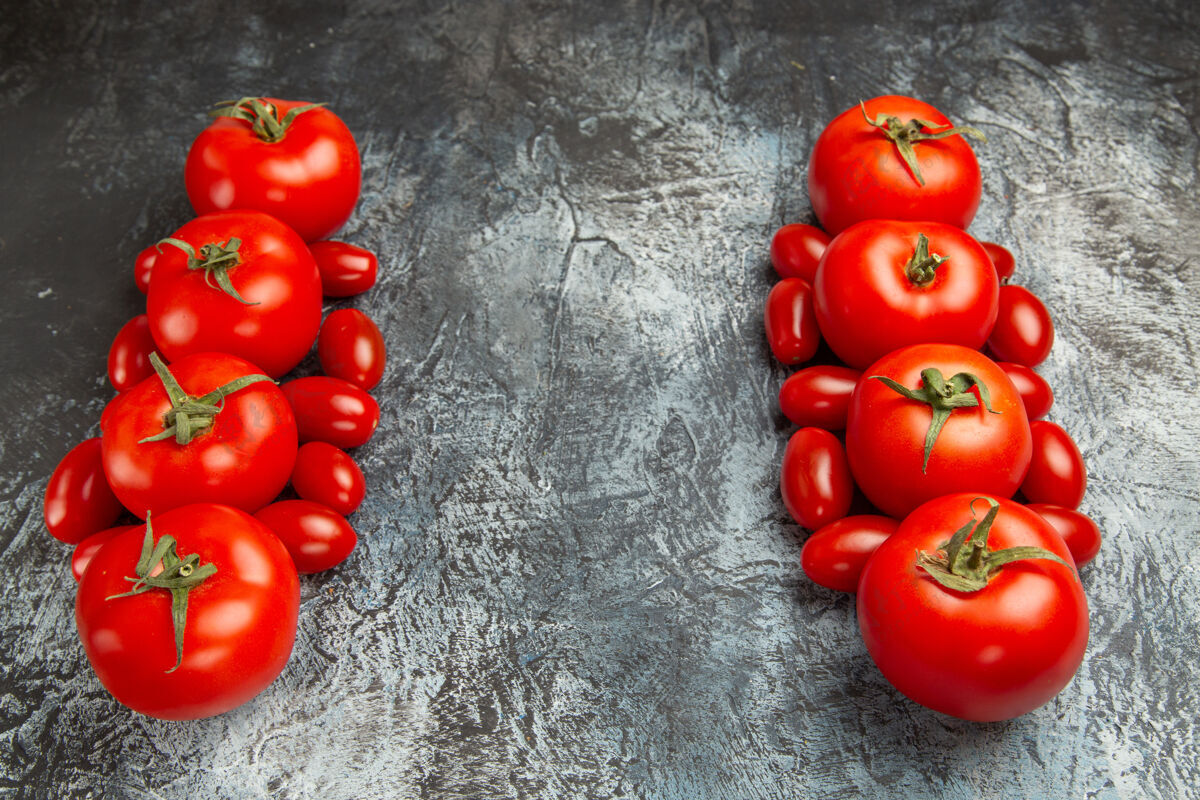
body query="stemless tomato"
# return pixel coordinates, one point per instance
(818, 396)
(332, 410)
(143, 265)
(796, 249)
(316, 536)
(815, 480)
(835, 555)
(346, 270)
(351, 347)
(1057, 474)
(1005, 642)
(129, 355)
(974, 450)
(329, 476)
(1079, 531)
(1024, 332)
(242, 602)
(237, 282)
(296, 161)
(1002, 259)
(858, 170)
(1035, 392)
(78, 499)
(82, 556)
(242, 458)
(884, 284)
(791, 325)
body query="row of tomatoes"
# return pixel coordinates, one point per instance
(923, 419)
(194, 610)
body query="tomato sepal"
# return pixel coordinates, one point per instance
(262, 115)
(904, 134)
(190, 415)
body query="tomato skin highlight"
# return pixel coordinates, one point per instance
(143, 265)
(1024, 332)
(346, 270)
(835, 555)
(796, 250)
(790, 322)
(78, 500)
(818, 396)
(332, 410)
(1057, 474)
(351, 347)
(1079, 531)
(815, 479)
(329, 476)
(316, 537)
(1035, 391)
(1002, 259)
(129, 354)
(91, 545)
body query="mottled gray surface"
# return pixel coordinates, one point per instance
(576, 578)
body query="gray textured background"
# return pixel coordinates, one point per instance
(576, 578)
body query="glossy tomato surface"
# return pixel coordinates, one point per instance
(1024, 331)
(78, 500)
(1079, 531)
(328, 475)
(332, 410)
(815, 479)
(790, 322)
(1035, 391)
(351, 347)
(346, 270)
(143, 265)
(1057, 474)
(835, 555)
(316, 536)
(129, 354)
(1002, 259)
(796, 250)
(818, 396)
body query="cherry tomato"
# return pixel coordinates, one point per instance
(351, 347)
(1057, 474)
(91, 545)
(129, 355)
(1002, 259)
(818, 396)
(1024, 332)
(270, 311)
(143, 265)
(1035, 392)
(791, 325)
(835, 555)
(316, 536)
(238, 628)
(78, 499)
(884, 284)
(975, 450)
(1079, 531)
(345, 270)
(304, 171)
(993, 651)
(332, 410)
(815, 480)
(796, 249)
(858, 171)
(243, 458)
(327, 475)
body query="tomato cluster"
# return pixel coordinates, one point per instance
(188, 541)
(920, 419)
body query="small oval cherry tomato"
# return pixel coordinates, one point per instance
(1057, 474)
(316, 536)
(791, 321)
(90, 546)
(835, 555)
(346, 270)
(329, 476)
(1024, 332)
(142, 267)
(79, 501)
(815, 479)
(351, 347)
(1002, 259)
(796, 250)
(818, 396)
(332, 410)
(1035, 392)
(1079, 531)
(129, 355)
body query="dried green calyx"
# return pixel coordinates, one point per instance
(189, 416)
(216, 260)
(262, 115)
(905, 134)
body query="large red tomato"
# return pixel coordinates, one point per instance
(296, 161)
(957, 626)
(884, 284)
(893, 158)
(237, 282)
(931, 419)
(206, 632)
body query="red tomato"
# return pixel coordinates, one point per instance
(976, 449)
(1035, 392)
(264, 263)
(858, 170)
(129, 355)
(885, 284)
(818, 396)
(91, 545)
(329, 476)
(345, 270)
(835, 555)
(240, 621)
(1002, 259)
(316, 536)
(78, 499)
(796, 250)
(1024, 332)
(243, 458)
(305, 170)
(815, 480)
(988, 653)
(351, 347)
(332, 410)
(1057, 474)
(791, 326)
(143, 265)
(1079, 531)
